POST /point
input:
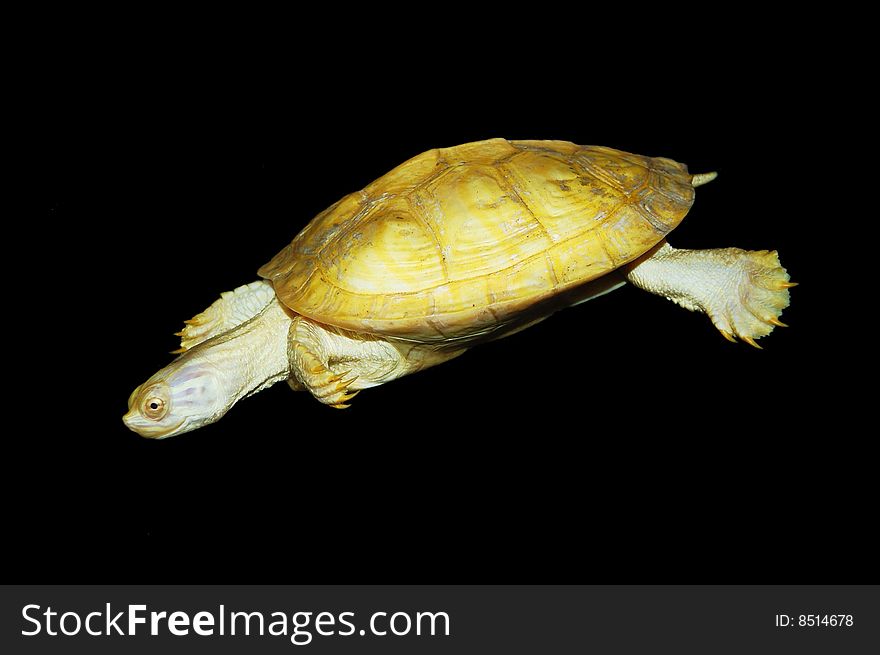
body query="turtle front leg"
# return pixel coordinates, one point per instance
(311, 373)
(231, 310)
(334, 365)
(742, 291)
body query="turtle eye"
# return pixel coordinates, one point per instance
(154, 408)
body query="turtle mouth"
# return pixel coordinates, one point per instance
(146, 428)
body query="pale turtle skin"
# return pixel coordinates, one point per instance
(454, 247)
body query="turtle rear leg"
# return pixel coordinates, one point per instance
(742, 291)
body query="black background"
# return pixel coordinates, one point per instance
(623, 440)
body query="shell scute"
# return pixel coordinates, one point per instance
(624, 174)
(368, 258)
(456, 205)
(559, 197)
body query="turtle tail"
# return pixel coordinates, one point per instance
(703, 178)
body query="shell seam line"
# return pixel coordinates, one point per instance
(417, 212)
(512, 187)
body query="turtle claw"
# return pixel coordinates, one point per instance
(197, 329)
(333, 391)
(775, 321)
(751, 342)
(727, 335)
(328, 387)
(341, 404)
(339, 376)
(342, 385)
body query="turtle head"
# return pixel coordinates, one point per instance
(183, 396)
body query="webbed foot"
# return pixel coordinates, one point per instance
(755, 295)
(742, 291)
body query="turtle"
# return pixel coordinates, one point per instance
(455, 247)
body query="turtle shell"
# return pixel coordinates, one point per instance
(458, 241)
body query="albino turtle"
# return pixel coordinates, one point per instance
(454, 247)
